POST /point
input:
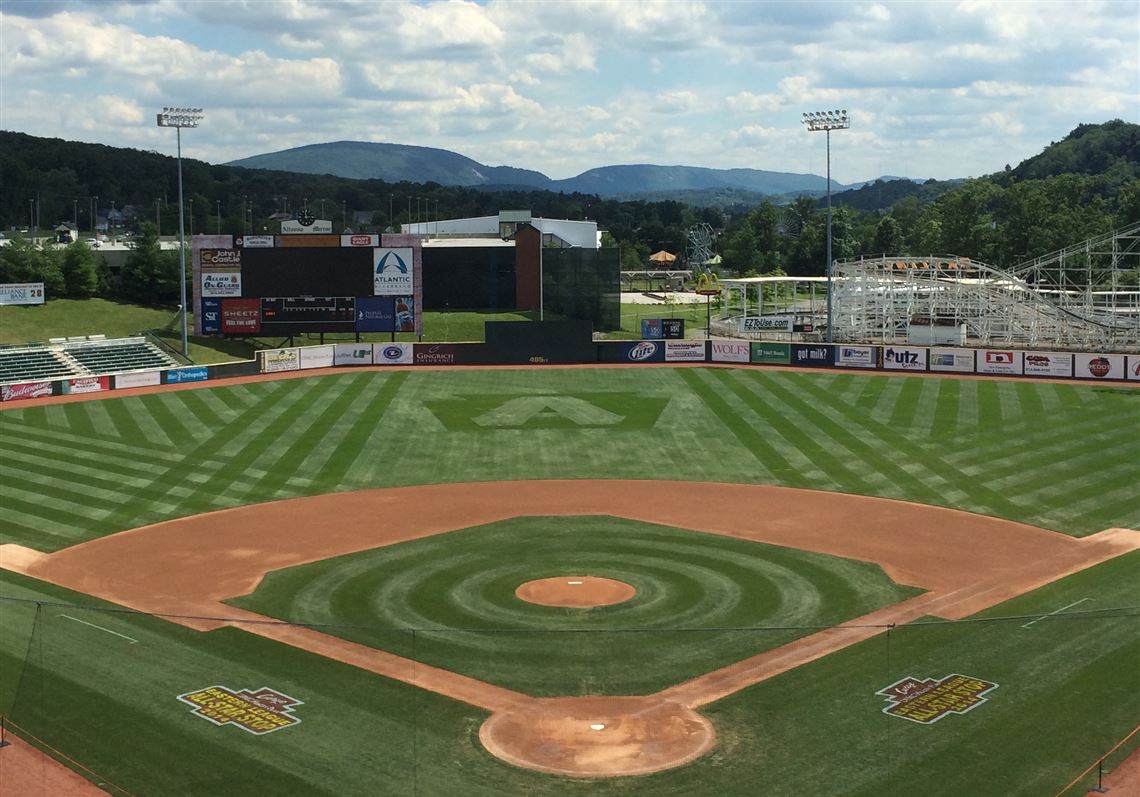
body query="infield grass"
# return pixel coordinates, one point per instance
(695, 592)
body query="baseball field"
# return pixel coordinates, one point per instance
(641, 580)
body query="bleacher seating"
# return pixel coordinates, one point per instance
(116, 356)
(28, 364)
(91, 355)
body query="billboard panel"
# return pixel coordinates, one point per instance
(241, 316)
(255, 241)
(220, 259)
(957, 360)
(221, 283)
(1048, 363)
(286, 315)
(685, 351)
(22, 293)
(87, 384)
(857, 356)
(1134, 367)
(317, 357)
(448, 353)
(392, 273)
(767, 323)
(275, 361)
(360, 239)
(299, 226)
(999, 361)
(176, 376)
(352, 354)
(211, 316)
(772, 353)
(815, 356)
(904, 358)
(673, 328)
(730, 351)
(651, 329)
(392, 354)
(138, 379)
(1098, 366)
(25, 390)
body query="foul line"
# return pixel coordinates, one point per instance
(1050, 614)
(132, 640)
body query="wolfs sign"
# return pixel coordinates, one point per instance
(392, 272)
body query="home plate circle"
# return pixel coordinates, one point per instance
(575, 592)
(590, 737)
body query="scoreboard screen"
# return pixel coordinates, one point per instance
(261, 289)
(293, 312)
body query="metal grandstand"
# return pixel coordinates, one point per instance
(1075, 298)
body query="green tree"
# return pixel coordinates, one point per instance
(150, 275)
(888, 237)
(23, 260)
(80, 274)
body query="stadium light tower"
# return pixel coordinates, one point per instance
(827, 121)
(179, 118)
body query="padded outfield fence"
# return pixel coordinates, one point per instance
(147, 706)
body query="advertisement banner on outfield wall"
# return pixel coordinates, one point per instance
(904, 358)
(87, 384)
(317, 357)
(177, 376)
(998, 361)
(27, 390)
(1098, 366)
(957, 360)
(277, 360)
(449, 353)
(689, 351)
(1134, 367)
(771, 353)
(138, 379)
(814, 356)
(857, 356)
(647, 351)
(352, 354)
(731, 351)
(1048, 363)
(392, 354)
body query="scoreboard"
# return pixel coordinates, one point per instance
(266, 289)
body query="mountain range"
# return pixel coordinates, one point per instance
(399, 162)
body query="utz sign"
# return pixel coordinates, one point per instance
(392, 272)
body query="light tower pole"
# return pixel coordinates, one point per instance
(827, 121)
(179, 118)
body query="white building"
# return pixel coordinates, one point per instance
(555, 232)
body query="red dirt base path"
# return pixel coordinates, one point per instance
(965, 562)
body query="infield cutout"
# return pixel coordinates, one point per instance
(575, 592)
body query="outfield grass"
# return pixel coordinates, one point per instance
(458, 590)
(1055, 455)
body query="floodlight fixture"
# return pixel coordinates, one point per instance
(179, 118)
(827, 121)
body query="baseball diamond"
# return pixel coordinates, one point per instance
(660, 580)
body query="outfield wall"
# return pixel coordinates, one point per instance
(556, 348)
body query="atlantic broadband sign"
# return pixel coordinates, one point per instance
(392, 272)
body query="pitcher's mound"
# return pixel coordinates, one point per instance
(575, 592)
(589, 737)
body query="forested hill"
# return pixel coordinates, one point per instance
(1112, 148)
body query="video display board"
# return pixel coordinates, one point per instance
(287, 290)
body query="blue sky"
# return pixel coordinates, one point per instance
(934, 89)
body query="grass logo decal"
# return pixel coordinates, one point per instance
(930, 700)
(258, 712)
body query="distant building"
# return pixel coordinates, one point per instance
(560, 233)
